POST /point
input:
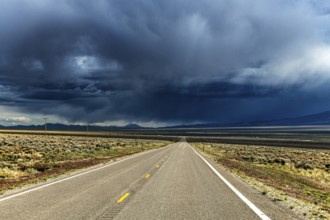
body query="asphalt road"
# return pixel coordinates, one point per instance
(168, 183)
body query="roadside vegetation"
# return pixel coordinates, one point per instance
(28, 158)
(297, 178)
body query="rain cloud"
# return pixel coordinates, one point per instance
(181, 61)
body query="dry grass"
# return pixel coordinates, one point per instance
(28, 158)
(302, 174)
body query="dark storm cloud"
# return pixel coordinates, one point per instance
(161, 60)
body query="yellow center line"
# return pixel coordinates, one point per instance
(157, 165)
(147, 176)
(121, 199)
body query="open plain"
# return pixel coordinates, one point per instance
(27, 158)
(285, 176)
(173, 182)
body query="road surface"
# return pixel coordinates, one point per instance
(173, 182)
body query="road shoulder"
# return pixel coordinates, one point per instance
(270, 208)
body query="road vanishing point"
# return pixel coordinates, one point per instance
(173, 182)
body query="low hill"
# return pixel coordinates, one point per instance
(322, 118)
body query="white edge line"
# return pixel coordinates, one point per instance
(254, 208)
(71, 177)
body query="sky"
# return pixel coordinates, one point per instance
(162, 62)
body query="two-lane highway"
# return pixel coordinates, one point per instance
(168, 183)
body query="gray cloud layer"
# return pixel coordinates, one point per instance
(174, 61)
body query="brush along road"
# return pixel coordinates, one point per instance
(173, 182)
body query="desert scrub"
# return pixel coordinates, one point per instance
(300, 173)
(30, 157)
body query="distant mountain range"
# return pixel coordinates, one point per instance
(322, 118)
(63, 127)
